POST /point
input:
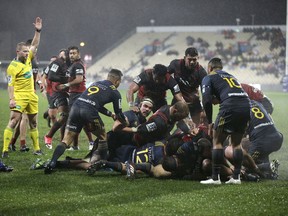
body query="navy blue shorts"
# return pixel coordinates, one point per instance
(267, 144)
(232, 120)
(80, 116)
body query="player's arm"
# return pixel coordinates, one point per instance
(203, 73)
(175, 90)
(39, 82)
(118, 126)
(11, 92)
(43, 79)
(36, 39)
(159, 172)
(179, 97)
(78, 78)
(117, 106)
(11, 81)
(207, 98)
(207, 101)
(12, 102)
(105, 111)
(133, 88)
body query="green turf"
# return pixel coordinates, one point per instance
(72, 192)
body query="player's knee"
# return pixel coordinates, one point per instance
(206, 166)
(63, 117)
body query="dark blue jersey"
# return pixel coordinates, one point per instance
(261, 123)
(117, 138)
(226, 89)
(134, 119)
(150, 153)
(100, 93)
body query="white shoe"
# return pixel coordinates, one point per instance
(211, 181)
(233, 181)
(91, 144)
(48, 145)
(73, 148)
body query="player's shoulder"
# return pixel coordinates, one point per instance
(175, 65)
(78, 64)
(14, 64)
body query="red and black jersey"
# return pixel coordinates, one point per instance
(157, 127)
(77, 68)
(153, 90)
(187, 79)
(57, 71)
(253, 93)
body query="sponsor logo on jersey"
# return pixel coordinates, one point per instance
(9, 78)
(54, 67)
(137, 79)
(27, 75)
(151, 127)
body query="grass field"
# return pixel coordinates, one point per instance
(72, 192)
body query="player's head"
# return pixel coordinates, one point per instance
(179, 111)
(173, 143)
(53, 58)
(170, 163)
(74, 53)
(215, 64)
(63, 53)
(159, 73)
(22, 51)
(204, 147)
(191, 57)
(146, 106)
(115, 76)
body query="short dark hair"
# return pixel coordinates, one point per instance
(73, 48)
(169, 163)
(115, 74)
(173, 144)
(160, 70)
(215, 63)
(192, 51)
(204, 143)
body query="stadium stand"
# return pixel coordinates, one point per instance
(255, 55)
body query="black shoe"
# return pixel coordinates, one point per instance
(5, 154)
(49, 168)
(5, 168)
(38, 152)
(24, 148)
(12, 147)
(95, 167)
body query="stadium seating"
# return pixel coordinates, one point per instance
(256, 63)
